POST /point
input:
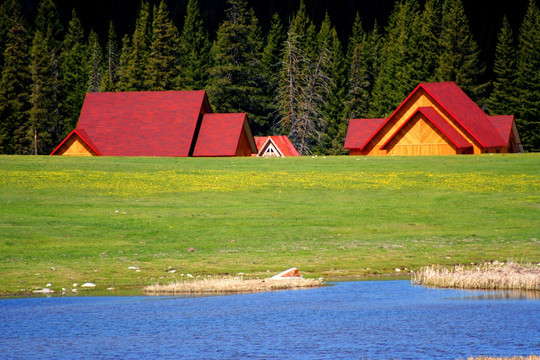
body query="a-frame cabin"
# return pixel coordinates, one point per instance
(435, 119)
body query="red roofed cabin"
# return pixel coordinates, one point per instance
(156, 123)
(435, 119)
(279, 146)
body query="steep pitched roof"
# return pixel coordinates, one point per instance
(360, 131)
(465, 111)
(503, 124)
(281, 142)
(83, 135)
(220, 134)
(506, 126)
(148, 123)
(458, 105)
(440, 123)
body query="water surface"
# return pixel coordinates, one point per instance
(350, 320)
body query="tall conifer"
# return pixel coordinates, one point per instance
(43, 115)
(528, 79)
(14, 90)
(194, 50)
(48, 22)
(46, 75)
(428, 43)
(271, 62)
(502, 99)
(133, 73)
(397, 75)
(110, 78)
(6, 16)
(74, 70)
(162, 71)
(123, 83)
(335, 69)
(95, 63)
(459, 60)
(236, 76)
(305, 83)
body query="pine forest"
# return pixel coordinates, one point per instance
(293, 76)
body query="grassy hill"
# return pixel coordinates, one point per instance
(65, 220)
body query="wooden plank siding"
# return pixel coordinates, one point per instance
(75, 146)
(418, 137)
(244, 146)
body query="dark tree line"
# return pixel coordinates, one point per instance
(297, 78)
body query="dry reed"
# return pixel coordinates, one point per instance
(530, 357)
(229, 284)
(489, 276)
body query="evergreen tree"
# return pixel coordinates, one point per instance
(275, 39)
(95, 63)
(357, 36)
(293, 77)
(305, 84)
(74, 70)
(14, 90)
(430, 33)
(335, 69)
(48, 23)
(528, 79)
(459, 59)
(236, 76)
(46, 78)
(6, 17)
(397, 77)
(110, 78)
(194, 50)
(133, 75)
(364, 70)
(123, 65)
(271, 61)
(362, 75)
(162, 72)
(502, 99)
(43, 115)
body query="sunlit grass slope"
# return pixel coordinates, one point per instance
(65, 220)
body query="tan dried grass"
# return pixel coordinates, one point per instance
(489, 276)
(229, 284)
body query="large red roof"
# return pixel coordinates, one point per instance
(220, 134)
(360, 131)
(453, 100)
(465, 111)
(503, 124)
(282, 142)
(148, 123)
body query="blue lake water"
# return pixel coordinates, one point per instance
(350, 320)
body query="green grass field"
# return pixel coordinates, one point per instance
(65, 220)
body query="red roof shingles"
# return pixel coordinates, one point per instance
(503, 124)
(453, 100)
(160, 123)
(360, 132)
(220, 134)
(465, 111)
(440, 123)
(282, 142)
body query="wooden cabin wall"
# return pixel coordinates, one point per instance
(420, 99)
(420, 137)
(74, 146)
(244, 148)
